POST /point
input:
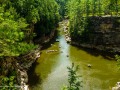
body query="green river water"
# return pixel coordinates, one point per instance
(50, 70)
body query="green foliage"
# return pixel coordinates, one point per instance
(19, 21)
(73, 79)
(62, 5)
(77, 19)
(41, 15)
(97, 7)
(79, 11)
(8, 83)
(12, 33)
(35, 11)
(27, 9)
(117, 57)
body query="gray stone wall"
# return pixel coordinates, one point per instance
(103, 33)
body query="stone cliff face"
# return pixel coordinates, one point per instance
(23, 64)
(103, 33)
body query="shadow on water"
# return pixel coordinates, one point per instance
(51, 42)
(33, 78)
(95, 52)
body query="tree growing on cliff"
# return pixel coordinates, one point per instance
(76, 13)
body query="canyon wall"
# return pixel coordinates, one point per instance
(102, 33)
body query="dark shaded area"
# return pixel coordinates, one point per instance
(33, 78)
(96, 52)
(52, 41)
(43, 28)
(62, 4)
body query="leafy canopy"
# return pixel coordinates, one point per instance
(12, 33)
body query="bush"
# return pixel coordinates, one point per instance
(73, 79)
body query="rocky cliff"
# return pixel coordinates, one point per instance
(103, 33)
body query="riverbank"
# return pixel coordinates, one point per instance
(101, 33)
(26, 61)
(65, 25)
(35, 54)
(23, 65)
(109, 46)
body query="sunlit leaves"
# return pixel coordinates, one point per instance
(14, 30)
(8, 81)
(79, 10)
(76, 13)
(12, 34)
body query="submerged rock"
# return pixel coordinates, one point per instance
(59, 46)
(48, 51)
(117, 87)
(61, 51)
(89, 65)
(67, 55)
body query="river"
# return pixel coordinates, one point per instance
(50, 70)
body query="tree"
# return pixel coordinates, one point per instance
(18, 21)
(99, 7)
(12, 33)
(73, 79)
(62, 7)
(117, 57)
(94, 7)
(41, 15)
(87, 8)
